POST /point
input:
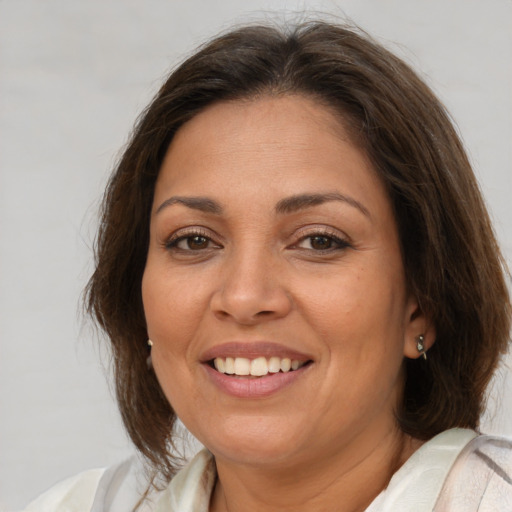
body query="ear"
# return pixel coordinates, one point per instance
(416, 325)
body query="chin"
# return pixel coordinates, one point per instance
(257, 442)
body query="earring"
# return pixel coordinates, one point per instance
(149, 361)
(420, 346)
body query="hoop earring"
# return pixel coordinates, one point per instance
(420, 346)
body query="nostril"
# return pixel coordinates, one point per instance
(248, 305)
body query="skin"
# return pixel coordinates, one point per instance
(329, 440)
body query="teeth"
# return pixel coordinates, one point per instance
(274, 364)
(286, 364)
(229, 366)
(256, 367)
(259, 367)
(242, 366)
(219, 365)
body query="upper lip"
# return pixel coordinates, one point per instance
(252, 350)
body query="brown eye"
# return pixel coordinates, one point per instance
(190, 243)
(195, 243)
(321, 243)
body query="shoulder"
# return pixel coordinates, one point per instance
(113, 489)
(481, 477)
(120, 488)
(418, 483)
(75, 494)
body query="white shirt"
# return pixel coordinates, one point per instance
(456, 471)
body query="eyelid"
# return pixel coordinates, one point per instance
(341, 239)
(321, 229)
(171, 241)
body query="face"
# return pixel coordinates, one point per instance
(274, 289)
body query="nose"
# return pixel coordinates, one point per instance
(251, 291)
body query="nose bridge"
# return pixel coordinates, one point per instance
(250, 288)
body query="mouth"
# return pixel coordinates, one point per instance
(256, 368)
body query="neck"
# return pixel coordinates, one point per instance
(347, 481)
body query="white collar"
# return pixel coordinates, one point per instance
(415, 486)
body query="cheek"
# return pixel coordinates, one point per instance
(172, 307)
(360, 311)
(170, 321)
(355, 293)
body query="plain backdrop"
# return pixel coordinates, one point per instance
(73, 77)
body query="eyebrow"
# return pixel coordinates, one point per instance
(303, 201)
(202, 204)
(288, 205)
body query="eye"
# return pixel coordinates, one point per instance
(322, 242)
(192, 241)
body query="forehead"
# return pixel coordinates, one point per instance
(267, 115)
(292, 135)
(249, 156)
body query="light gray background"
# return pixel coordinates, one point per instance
(73, 77)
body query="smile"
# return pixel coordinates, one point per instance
(254, 369)
(258, 367)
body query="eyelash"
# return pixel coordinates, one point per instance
(340, 243)
(176, 238)
(333, 239)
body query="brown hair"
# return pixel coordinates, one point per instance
(452, 261)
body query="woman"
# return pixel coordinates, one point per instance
(295, 259)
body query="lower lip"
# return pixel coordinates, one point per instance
(259, 387)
